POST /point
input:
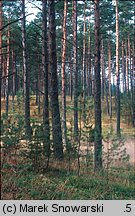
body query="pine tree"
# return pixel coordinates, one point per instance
(56, 124)
(117, 72)
(45, 75)
(97, 92)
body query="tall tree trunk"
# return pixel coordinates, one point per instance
(123, 66)
(117, 72)
(56, 124)
(129, 57)
(7, 69)
(89, 71)
(0, 77)
(13, 78)
(127, 78)
(75, 69)
(133, 89)
(36, 70)
(84, 65)
(45, 75)
(64, 127)
(97, 91)
(109, 79)
(71, 77)
(26, 74)
(103, 68)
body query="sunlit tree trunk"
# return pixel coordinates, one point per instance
(123, 66)
(133, 88)
(117, 73)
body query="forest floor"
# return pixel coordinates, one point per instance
(61, 181)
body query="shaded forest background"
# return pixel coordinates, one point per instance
(67, 99)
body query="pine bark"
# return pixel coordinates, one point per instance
(89, 71)
(45, 75)
(123, 66)
(64, 127)
(71, 77)
(26, 74)
(84, 65)
(133, 88)
(103, 68)
(0, 77)
(7, 69)
(75, 69)
(109, 79)
(56, 124)
(117, 73)
(127, 72)
(97, 91)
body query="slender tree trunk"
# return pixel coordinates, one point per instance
(36, 69)
(64, 127)
(103, 69)
(75, 69)
(45, 75)
(109, 79)
(84, 65)
(133, 88)
(71, 77)
(117, 72)
(13, 78)
(7, 69)
(123, 66)
(127, 78)
(39, 85)
(26, 74)
(0, 78)
(97, 91)
(129, 57)
(56, 124)
(89, 78)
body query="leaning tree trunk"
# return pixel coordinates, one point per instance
(75, 69)
(97, 91)
(45, 75)
(64, 127)
(56, 124)
(26, 74)
(117, 73)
